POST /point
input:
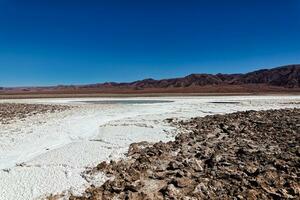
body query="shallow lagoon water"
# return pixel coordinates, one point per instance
(126, 102)
(225, 102)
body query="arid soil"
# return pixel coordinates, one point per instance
(13, 111)
(210, 90)
(245, 155)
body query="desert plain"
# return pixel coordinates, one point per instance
(49, 146)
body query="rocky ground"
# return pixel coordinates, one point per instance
(13, 111)
(245, 155)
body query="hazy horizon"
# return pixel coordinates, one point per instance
(87, 83)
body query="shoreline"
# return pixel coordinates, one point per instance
(120, 95)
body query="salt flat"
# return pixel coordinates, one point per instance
(49, 153)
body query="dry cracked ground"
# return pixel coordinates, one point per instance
(13, 111)
(244, 155)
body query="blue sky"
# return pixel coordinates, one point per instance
(53, 42)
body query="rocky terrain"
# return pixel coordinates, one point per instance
(244, 155)
(13, 111)
(281, 79)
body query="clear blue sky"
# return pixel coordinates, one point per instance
(49, 42)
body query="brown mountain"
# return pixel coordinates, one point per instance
(280, 79)
(285, 76)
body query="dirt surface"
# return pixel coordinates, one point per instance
(185, 93)
(245, 155)
(209, 90)
(12, 111)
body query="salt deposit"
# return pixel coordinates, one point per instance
(48, 153)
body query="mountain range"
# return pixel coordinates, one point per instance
(286, 76)
(279, 79)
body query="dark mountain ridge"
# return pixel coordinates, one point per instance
(285, 76)
(280, 79)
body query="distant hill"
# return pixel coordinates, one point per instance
(285, 76)
(280, 79)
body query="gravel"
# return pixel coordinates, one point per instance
(244, 155)
(13, 111)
